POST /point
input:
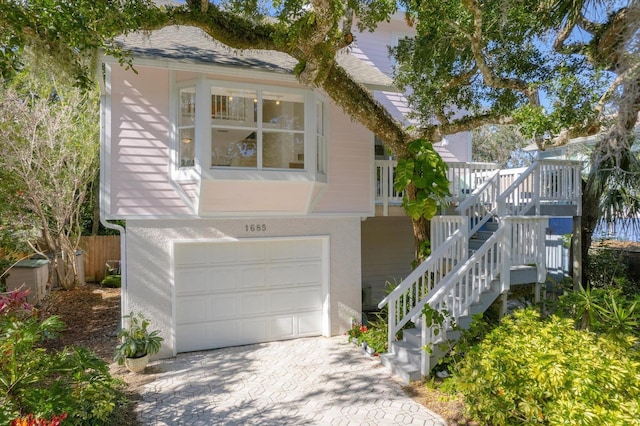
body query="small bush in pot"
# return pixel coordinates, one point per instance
(136, 339)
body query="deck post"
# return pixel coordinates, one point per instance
(503, 304)
(576, 247)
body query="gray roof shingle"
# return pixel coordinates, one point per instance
(192, 45)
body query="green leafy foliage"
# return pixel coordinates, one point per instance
(45, 383)
(606, 311)
(427, 173)
(69, 32)
(608, 268)
(112, 281)
(533, 371)
(137, 340)
(377, 332)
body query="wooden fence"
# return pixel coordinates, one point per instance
(97, 251)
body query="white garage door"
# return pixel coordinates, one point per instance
(242, 292)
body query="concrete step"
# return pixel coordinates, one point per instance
(405, 372)
(406, 352)
(412, 336)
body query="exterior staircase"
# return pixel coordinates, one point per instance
(493, 238)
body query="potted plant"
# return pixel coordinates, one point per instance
(137, 343)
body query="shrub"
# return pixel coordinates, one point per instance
(603, 311)
(356, 330)
(46, 384)
(529, 371)
(376, 334)
(607, 268)
(112, 281)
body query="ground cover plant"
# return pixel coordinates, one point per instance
(45, 385)
(530, 370)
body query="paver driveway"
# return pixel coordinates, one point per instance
(314, 381)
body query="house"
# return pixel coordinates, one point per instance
(251, 202)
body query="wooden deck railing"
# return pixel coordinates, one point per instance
(450, 280)
(463, 178)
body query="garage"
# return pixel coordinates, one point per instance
(238, 292)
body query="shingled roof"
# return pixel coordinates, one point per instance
(192, 45)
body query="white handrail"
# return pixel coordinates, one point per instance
(465, 177)
(519, 240)
(450, 280)
(482, 205)
(404, 298)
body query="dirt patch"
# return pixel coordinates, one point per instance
(451, 409)
(91, 314)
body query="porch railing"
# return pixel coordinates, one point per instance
(544, 182)
(463, 178)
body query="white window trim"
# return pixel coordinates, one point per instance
(202, 168)
(180, 174)
(321, 176)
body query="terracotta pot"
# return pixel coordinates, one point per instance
(135, 365)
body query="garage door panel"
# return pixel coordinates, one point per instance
(247, 292)
(281, 276)
(202, 336)
(192, 310)
(252, 252)
(283, 301)
(252, 277)
(223, 333)
(310, 299)
(222, 253)
(192, 282)
(254, 331)
(253, 304)
(309, 324)
(310, 272)
(222, 307)
(282, 327)
(190, 254)
(294, 250)
(222, 279)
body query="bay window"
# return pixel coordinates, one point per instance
(250, 128)
(186, 127)
(257, 129)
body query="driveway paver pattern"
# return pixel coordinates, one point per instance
(311, 381)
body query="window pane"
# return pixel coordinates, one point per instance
(282, 111)
(187, 108)
(187, 147)
(283, 150)
(233, 148)
(234, 106)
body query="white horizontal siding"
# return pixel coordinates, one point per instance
(349, 188)
(139, 163)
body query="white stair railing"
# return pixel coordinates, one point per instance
(525, 239)
(404, 299)
(545, 181)
(449, 280)
(519, 240)
(482, 204)
(459, 290)
(465, 177)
